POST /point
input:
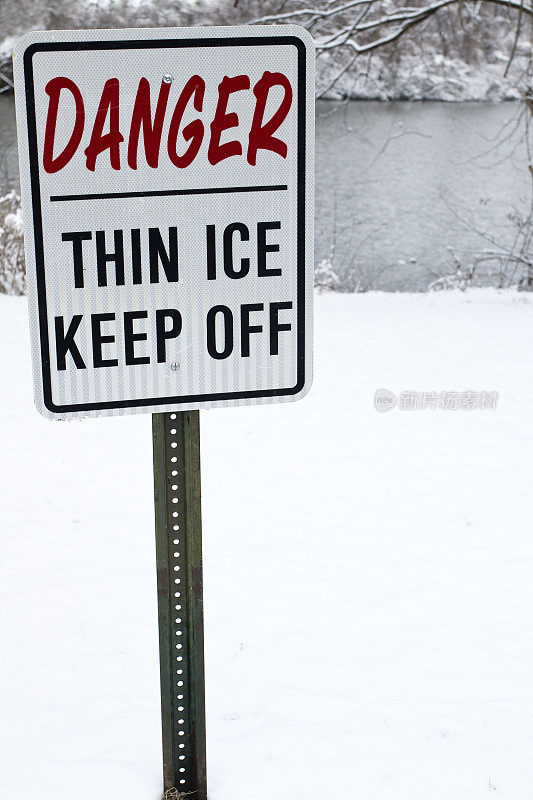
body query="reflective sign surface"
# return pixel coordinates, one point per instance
(168, 210)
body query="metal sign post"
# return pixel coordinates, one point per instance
(178, 527)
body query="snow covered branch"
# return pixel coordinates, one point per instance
(343, 31)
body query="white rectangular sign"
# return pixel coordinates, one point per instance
(167, 187)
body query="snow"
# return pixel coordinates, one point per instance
(368, 587)
(7, 45)
(14, 220)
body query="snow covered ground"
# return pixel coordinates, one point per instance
(368, 576)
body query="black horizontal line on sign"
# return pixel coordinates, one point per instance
(168, 192)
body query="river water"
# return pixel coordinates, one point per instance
(402, 188)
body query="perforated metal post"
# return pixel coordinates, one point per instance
(178, 526)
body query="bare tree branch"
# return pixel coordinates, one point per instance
(357, 27)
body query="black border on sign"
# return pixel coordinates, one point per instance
(245, 41)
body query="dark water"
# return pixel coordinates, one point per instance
(399, 186)
(405, 182)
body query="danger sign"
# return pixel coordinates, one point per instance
(167, 183)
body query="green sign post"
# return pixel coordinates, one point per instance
(178, 528)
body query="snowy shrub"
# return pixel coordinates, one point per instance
(12, 266)
(355, 280)
(458, 280)
(503, 275)
(505, 265)
(325, 276)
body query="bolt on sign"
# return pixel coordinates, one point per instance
(167, 185)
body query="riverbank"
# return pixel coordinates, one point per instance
(428, 70)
